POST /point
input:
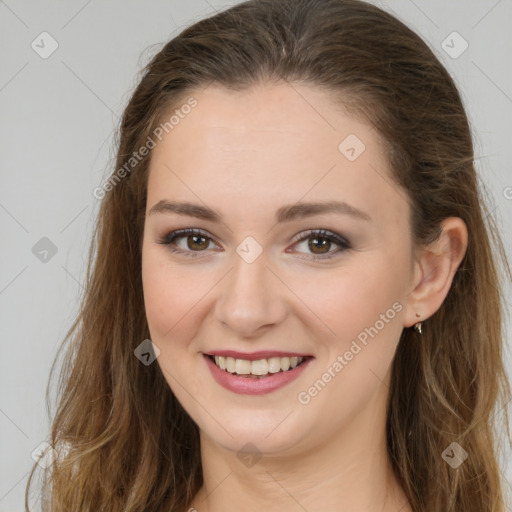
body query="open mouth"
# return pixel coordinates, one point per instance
(259, 368)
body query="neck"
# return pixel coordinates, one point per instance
(350, 470)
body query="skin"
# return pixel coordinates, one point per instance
(246, 154)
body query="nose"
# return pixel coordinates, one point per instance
(251, 298)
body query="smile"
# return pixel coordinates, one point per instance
(256, 376)
(257, 368)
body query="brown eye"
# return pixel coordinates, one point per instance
(319, 243)
(196, 242)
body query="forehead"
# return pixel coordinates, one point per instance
(270, 144)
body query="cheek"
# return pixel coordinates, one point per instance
(168, 294)
(170, 291)
(362, 307)
(349, 299)
(159, 296)
(169, 298)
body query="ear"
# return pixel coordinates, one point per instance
(434, 268)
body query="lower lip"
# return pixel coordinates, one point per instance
(254, 386)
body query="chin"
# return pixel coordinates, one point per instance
(263, 433)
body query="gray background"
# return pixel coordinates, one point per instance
(58, 116)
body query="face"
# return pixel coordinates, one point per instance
(268, 277)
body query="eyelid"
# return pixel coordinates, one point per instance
(320, 233)
(343, 243)
(183, 233)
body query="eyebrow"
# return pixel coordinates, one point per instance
(286, 213)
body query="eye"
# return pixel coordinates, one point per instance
(198, 241)
(320, 241)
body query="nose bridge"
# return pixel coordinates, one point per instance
(249, 297)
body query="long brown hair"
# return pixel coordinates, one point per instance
(130, 446)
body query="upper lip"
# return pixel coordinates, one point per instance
(253, 356)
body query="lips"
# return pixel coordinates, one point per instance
(253, 356)
(256, 373)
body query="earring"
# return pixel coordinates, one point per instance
(417, 326)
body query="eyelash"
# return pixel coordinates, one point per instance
(320, 233)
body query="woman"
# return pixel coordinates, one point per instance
(292, 300)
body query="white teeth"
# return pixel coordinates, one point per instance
(274, 364)
(258, 367)
(230, 364)
(242, 366)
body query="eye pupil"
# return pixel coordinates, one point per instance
(324, 243)
(196, 237)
